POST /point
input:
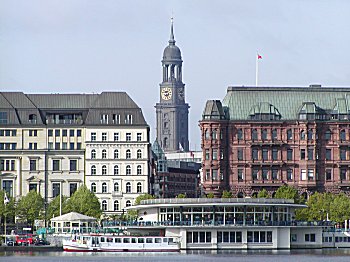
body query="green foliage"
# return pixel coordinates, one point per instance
(30, 207)
(84, 202)
(288, 192)
(9, 210)
(143, 197)
(226, 194)
(210, 195)
(181, 196)
(263, 194)
(340, 208)
(53, 210)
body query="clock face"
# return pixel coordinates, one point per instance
(166, 93)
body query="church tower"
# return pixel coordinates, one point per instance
(172, 110)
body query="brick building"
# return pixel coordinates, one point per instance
(265, 137)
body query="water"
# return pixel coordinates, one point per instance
(319, 255)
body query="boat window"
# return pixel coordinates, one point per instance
(158, 240)
(117, 240)
(165, 239)
(141, 240)
(126, 240)
(102, 239)
(171, 240)
(149, 240)
(109, 239)
(133, 240)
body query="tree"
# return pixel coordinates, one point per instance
(9, 210)
(30, 207)
(143, 197)
(226, 194)
(263, 194)
(288, 192)
(210, 195)
(319, 205)
(181, 195)
(53, 210)
(340, 208)
(84, 202)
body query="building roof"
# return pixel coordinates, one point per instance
(20, 107)
(73, 216)
(241, 102)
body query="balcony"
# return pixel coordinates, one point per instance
(64, 121)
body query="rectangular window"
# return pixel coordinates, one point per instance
(342, 174)
(33, 187)
(255, 154)
(71, 132)
(56, 189)
(128, 136)
(72, 188)
(303, 174)
(73, 165)
(328, 154)
(50, 132)
(290, 174)
(255, 174)
(215, 154)
(7, 185)
(93, 136)
(342, 154)
(128, 119)
(78, 146)
(64, 146)
(57, 132)
(215, 174)
(239, 134)
(104, 119)
(33, 132)
(57, 146)
(239, 154)
(79, 132)
(3, 117)
(50, 145)
(139, 137)
(265, 154)
(207, 175)
(274, 174)
(116, 136)
(310, 174)
(274, 154)
(207, 154)
(310, 154)
(265, 174)
(328, 174)
(104, 136)
(289, 154)
(310, 238)
(7, 132)
(240, 174)
(55, 165)
(64, 132)
(302, 154)
(71, 146)
(32, 165)
(293, 238)
(116, 119)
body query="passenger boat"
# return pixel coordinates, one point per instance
(113, 243)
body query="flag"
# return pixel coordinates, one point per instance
(6, 200)
(181, 148)
(259, 56)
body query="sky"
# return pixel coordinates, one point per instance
(90, 46)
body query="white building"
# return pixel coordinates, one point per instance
(47, 143)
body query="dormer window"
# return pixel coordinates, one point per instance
(104, 119)
(128, 119)
(32, 118)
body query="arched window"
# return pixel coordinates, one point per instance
(93, 170)
(254, 134)
(128, 203)
(128, 154)
(128, 187)
(342, 135)
(302, 135)
(116, 154)
(104, 205)
(206, 134)
(139, 154)
(116, 170)
(116, 205)
(104, 187)
(264, 134)
(104, 154)
(139, 187)
(128, 170)
(116, 187)
(214, 134)
(93, 187)
(139, 170)
(93, 154)
(104, 170)
(310, 134)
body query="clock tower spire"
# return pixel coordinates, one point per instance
(172, 110)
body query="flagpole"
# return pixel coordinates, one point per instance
(256, 69)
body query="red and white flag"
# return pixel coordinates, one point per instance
(259, 56)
